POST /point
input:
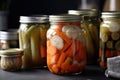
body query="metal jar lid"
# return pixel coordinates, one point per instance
(83, 12)
(111, 14)
(34, 19)
(64, 18)
(11, 34)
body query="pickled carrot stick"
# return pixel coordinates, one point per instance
(55, 69)
(71, 50)
(61, 59)
(64, 37)
(81, 53)
(54, 58)
(103, 64)
(74, 68)
(77, 45)
(43, 52)
(100, 53)
(65, 66)
(109, 53)
(52, 50)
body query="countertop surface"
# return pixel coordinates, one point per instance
(90, 73)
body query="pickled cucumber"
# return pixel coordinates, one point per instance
(109, 44)
(35, 44)
(115, 35)
(117, 45)
(104, 37)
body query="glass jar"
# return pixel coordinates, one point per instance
(66, 51)
(32, 38)
(109, 37)
(9, 39)
(11, 59)
(91, 25)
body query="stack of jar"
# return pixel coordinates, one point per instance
(90, 24)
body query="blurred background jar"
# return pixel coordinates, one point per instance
(111, 5)
(90, 24)
(9, 39)
(109, 37)
(32, 38)
(66, 51)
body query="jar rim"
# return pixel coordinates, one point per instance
(84, 12)
(34, 19)
(12, 52)
(64, 18)
(110, 14)
(11, 34)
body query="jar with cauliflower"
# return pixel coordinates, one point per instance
(66, 51)
(109, 37)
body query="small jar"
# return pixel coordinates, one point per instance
(91, 25)
(32, 38)
(11, 59)
(109, 37)
(66, 51)
(9, 39)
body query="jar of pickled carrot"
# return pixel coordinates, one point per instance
(109, 37)
(32, 38)
(66, 51)
(91, 25)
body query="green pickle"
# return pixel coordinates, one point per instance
(32, 38)
(109, 37)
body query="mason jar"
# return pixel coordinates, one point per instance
(90, 24)
(66, 51)
(9, 39)
(32, 38)
(109, 37)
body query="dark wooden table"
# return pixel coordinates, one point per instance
(90, 73)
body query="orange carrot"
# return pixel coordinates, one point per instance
(76, 23)
(64, 37)
(65, 66)
(61, 59)
(100, 52)
(108, 53)
(55, 58)
(71, 50)
(74, 68)
(77, 45)
(118, 53)
(52, 50)
(81, 53)
(55, 69)
(103, 64)
(43, 52)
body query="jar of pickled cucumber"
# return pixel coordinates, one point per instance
(32, 38)
(109, 37)
(90, 24)
(66, 51)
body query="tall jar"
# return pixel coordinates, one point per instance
(66, 51)
(109, 37)
(91, 25)
(32, 38)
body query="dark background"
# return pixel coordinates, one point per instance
(29, 7)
